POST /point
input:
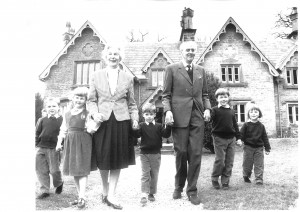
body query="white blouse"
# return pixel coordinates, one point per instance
(112, 75)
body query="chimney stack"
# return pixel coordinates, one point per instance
(69, 34)
(186, 23)
(294, 18)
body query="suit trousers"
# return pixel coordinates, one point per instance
(253, 157)
(150, 168)
(188, 144)
(47, 162)
(224, 158)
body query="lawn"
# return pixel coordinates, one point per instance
(279, 192)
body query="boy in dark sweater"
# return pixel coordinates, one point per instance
(151, 134)
(255, 140)
(225, 134)
(47, 158)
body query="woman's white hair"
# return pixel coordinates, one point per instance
(111, 46)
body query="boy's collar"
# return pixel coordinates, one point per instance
(153, 122)
(226, 106)
(56, 115)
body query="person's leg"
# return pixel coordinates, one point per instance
(82, 186)
(155, 160)
(145, 179)
(229, 159)
(76, 180)
(259, 165)
(53, 158)
(42, 170)
(105, 185)
(113, 181)
(247, 161)
(180, 139)
(219, 164)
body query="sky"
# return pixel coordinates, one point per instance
(32, 35)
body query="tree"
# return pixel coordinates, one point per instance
(283, 24)
(212, 85)
(39, 104)
(132, 37)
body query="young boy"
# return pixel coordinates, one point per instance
(225, 132)
(151, 134)
(47, 158)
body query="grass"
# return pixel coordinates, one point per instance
(279, 192)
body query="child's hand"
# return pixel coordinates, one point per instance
(135, 125)
(239, 142)
(267, 153)
(58, 145)
(98, 117)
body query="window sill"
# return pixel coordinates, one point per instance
(240, 84)
(76, 86)
(152, 88)
(290, 86)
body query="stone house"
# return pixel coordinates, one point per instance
(264, 72)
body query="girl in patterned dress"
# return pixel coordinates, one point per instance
(77, 144)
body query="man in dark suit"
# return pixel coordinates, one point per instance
(186, 104)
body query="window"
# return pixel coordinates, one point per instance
(293, 113)
(84, 70)
(157, 77)
(230, 73)
(291, 76)
(240, 111)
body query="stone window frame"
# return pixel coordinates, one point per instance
(84, 80)
(240, 112)
(294, 112)
(234, 82)
(290, 83)
(153, 72)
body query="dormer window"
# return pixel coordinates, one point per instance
(291, 76)
(230, 73)
(157, 77)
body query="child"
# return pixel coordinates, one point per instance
(225, 132)
(47, 159)
(255, 138)
(77, 144)
(151, 134)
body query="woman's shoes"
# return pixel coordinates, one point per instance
(81, 203)
(107, 202)
(75, 202)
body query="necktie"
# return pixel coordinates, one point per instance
(190, 72)
(150, 124)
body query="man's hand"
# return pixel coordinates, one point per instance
(267, 153)
(169, 117)
(239, 142)
(58, 145)
(135, 124)
(206, 115)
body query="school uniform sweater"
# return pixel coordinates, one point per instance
(224, 124)
(151, 137)
(255, 135)
(46, 133)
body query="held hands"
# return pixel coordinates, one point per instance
(267, 153)
(98, 117)
(239, 142)
(135, 125)
(169, 118)
(206, 115)
(58, 145)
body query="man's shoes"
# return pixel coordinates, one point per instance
(143, 201)
(59, 189)
(176, 194)
(215, 184)
(43, 195)
(194, 199)
(246, 179)
(81, 203)
(225, 186)
(151, 198)
(259, 183)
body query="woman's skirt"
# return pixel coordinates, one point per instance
(112, 147)
(77, 154)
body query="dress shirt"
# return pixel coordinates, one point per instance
(153, 122)
(112, 75)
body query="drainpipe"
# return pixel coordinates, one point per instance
(278, 101)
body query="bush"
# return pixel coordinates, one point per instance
(39, 104)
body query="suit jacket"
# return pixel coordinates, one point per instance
(121, 103)
(180, 93)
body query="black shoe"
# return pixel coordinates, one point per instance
(59, 189)
(143, 201)
(194, 199)
(215, 184)
(246, 179)
(75, 202)
(176, 194)
(81, 203)
(151, 198)
(43, 195)
(225, 186)
(259, 183)
(103, 198)
(115, 206)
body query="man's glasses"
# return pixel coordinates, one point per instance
(190, 50)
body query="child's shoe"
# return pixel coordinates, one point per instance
(259, 183)
(143, 201)
(215, 184)
(225, 186)
(43, 195)
(151, 198)
(81, 203)
(246, 179)
(59, 189)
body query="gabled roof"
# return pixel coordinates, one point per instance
(158, 51)
(286, 57)
(263, 58)
(87, 24)
(153, 96)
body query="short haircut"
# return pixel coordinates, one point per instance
(81, 91)
(187, 44)
(251, 107)
(149, 108)
(221, 91)
(108, 47)
(51, 99)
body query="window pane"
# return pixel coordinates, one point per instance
(160, 77)
(91, 71)
(236, 74)
(98, 66)
(242, 113)
(296, 110)
(235, 111)
(78, 73)
(85, 72)
(229, 74)
(223, 75)
(295, 77)
(288, 76)
(154, 78)
(290, 111)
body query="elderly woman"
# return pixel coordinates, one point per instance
(111, 103)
